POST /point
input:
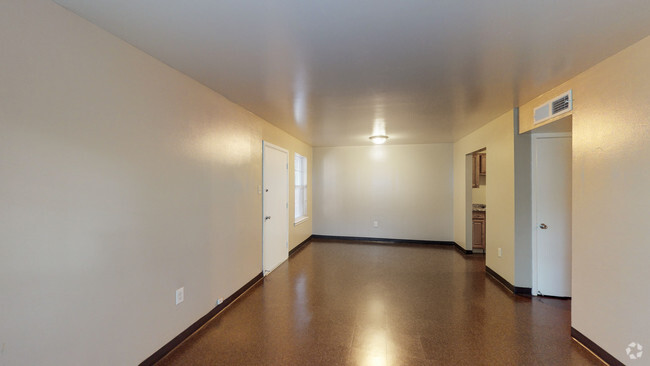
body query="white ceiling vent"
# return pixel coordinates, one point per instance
(553, 107)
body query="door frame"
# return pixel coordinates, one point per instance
(533, 180)
(265, 145)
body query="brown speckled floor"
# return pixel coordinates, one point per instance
(378, 304)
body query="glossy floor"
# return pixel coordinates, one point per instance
(377, 304)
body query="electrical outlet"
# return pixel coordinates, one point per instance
(499, 252)
(375, 223)
(219, 301)
(180, 295)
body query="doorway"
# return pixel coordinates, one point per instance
(275, 206)
(551, 206)
(479, 206)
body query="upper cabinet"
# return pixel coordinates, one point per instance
(482, 165)
(479, 167)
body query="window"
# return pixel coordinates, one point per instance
(300, 165)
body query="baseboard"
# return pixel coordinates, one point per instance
(594, 348)
(300, 246)
(524, 291)
(555, 297)
(380, 240)
(461, 249)
(162, 352)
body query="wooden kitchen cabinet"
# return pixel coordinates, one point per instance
(479, 168)
(475, 171)
(478, 230)
(482, 164)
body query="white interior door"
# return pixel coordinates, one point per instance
(275, 226)
(552, 215)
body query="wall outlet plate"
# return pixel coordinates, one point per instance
(499, 252)
(180, 295)
(375, 223)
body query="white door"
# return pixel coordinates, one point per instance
(552, 214)
(275, 226)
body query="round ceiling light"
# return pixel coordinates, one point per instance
(378, 139)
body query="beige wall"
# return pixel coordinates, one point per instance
(122, 180)
(300, 232)
(611, 175)
(498, 137)
(406, 188)
(478, 194)
(523, 209)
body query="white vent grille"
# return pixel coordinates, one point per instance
(560, 105)
(552, 108)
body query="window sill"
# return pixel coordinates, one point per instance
(300, 220)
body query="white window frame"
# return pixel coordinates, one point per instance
(300, 185)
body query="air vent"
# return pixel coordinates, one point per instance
(560, 105)
(552, 108)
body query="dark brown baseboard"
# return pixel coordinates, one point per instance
(594, 348)
(462, 250)
(380, 240)
(555, 297)
(300, 246)
(523, 291)
(162, 352)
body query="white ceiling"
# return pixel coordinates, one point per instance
(330, 71)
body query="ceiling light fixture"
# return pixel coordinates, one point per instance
(378, 139)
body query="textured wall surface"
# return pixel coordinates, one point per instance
(611, 146)
(122, 180)
(407, 189)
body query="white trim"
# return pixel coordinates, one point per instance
(300, 220)
(266, 143)
(533, 180)
(300, 206)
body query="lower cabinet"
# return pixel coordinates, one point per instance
(478, 230)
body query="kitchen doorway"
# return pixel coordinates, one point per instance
(479, 201)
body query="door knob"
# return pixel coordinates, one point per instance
(543, 226)
(267, 218)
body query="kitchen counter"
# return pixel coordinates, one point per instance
(478, 207)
